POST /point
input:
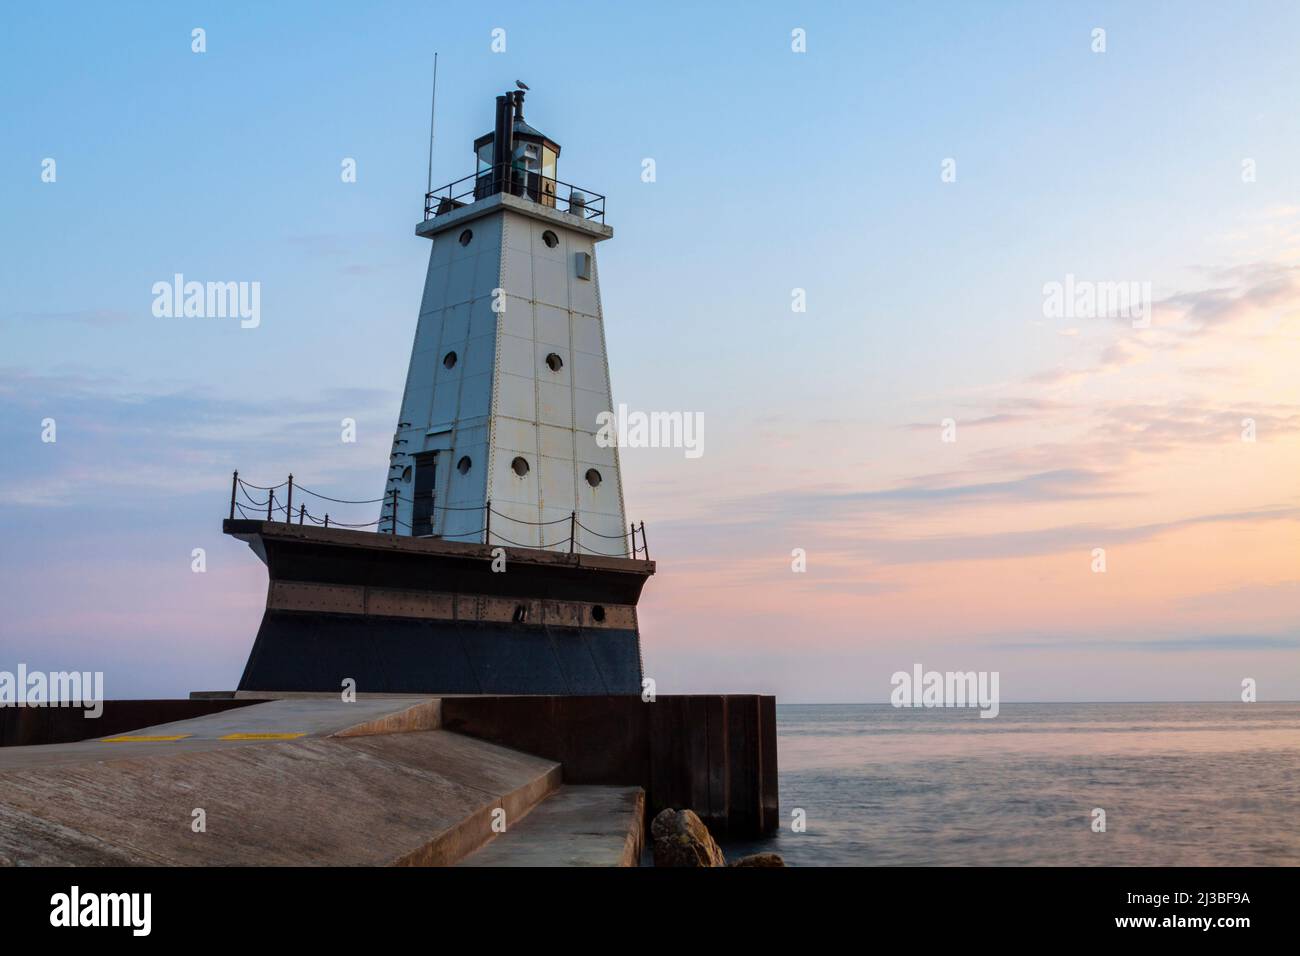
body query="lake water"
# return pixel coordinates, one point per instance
(1181, 784)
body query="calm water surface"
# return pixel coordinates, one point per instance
(1181, 784)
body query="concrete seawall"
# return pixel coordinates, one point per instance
(387, 780)
(287, 782)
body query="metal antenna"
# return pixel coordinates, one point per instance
(433, 110)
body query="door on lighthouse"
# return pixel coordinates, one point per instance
(426, 472)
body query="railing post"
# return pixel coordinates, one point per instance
(234, 486)
(394, 511)
(327, 519)
(644, 547)
(487, 523)
(302, 511)
(270, 503)
(631, 534)
(573, 528)
(288, 505)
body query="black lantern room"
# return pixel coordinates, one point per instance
(514, 157)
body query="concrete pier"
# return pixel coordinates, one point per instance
(391, 780)
(287, 782)
(575, 826)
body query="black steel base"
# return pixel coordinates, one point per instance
(424, 616)
(316, 652)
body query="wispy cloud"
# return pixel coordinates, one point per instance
(143, 442)
(1255, 288)
(1170, 645)
(100, 318)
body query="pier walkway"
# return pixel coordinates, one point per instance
(305, 781)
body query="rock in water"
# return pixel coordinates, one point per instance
(682, 839)
(760, 859)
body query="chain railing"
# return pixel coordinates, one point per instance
(249, 507)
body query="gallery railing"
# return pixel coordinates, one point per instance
(507, 178)
(248, 506)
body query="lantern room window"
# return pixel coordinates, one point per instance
(548, 176)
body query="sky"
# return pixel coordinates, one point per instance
(923, 172)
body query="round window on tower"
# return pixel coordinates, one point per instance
(593, 477)
(465, 237)
(551, 239)
(463, 465)
(520, 466)
(554, 362)
(449, 360)
(406, 475)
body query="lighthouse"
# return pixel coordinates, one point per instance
(500, 573)
(496, 442)
(501, 561)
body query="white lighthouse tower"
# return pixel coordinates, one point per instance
(508, 371)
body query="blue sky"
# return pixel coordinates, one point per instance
(775, 170)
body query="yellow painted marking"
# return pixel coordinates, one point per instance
(144, 740)
(263, 736)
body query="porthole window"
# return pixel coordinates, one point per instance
(521, 613)
(598, 614)
(554, 362)
(520, 466)
(465, 237)
(593, 477)
(449, 360)
(463, 465)
(551, 239)
(406, 475)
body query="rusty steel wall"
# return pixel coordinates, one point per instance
(28, 726)
(712, 753)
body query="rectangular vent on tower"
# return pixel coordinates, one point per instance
(584, 265)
